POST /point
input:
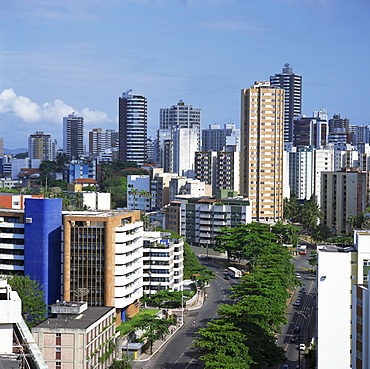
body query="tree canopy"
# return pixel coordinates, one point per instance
(260, 302)
(34, 309)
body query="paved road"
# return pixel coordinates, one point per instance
(302, 316)
(178, 353)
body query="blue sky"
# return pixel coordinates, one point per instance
(80, 55)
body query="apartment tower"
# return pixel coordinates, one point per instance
(41, 146)
(292, 85)
(73, 135)
(132, 128)
(262, 143)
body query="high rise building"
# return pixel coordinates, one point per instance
(41, 146)
(343, 194)
(132, 128)
(179, 138)
(261, 157)
(292, 85)
(342, 281)
(181, 115)
(100, 141)
(73, 135)
(216, 139)
(338, 122)
(310, 131)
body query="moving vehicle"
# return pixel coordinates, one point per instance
(302, 249)
(297, 303)
(302, 346)
(235, 273)
(296, 329)
(294, 338)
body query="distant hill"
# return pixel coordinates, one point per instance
(14, 151)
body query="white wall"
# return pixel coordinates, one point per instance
(334, 312)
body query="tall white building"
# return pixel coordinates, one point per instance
(343, 339)
(186, 142)
(179, 138)
(73, 135)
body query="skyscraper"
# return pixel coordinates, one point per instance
(262, 127)
(179, 138)
(41, 146)
(132, 127)
(292, 85)
(73, 135)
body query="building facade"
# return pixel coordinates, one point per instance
(292, 85)
(73, 135)
(103, 259)
(163, 263)
(76, 336)
(342, 194)
(202, 218)
(99, 140)
(41, 146)
(132, 120)
(342, 280)
(216, 138)
(261, 157)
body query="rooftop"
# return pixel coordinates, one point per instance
(81, 321)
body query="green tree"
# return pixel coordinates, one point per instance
(125, 363)
(360, 221)
(134, 192)
(310, 215)
(287, 233)
(34, 308)
(291, 209)
(246, 241)
(153, 327)
(146, 195)
(321, 232)
(312, 260)
(222, 346)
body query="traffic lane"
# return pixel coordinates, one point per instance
(178, 353)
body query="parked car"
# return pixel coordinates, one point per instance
(302, 346)
(297, 303)
(285, 366)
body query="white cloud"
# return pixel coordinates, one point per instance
(28, 111)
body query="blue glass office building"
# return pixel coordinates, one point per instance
(42, 245)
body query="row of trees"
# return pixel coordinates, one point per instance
(243, 336)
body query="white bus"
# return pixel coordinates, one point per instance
(235, 273)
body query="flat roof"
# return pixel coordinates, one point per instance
(98, 213)
(81, 321)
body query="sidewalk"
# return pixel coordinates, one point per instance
(157, 345)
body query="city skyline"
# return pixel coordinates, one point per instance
(80, 56)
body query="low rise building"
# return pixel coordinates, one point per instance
(202, 218)
(77, 336)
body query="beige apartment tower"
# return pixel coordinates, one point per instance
(262, 147)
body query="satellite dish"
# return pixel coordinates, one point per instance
(286, 65)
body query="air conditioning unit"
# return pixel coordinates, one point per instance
(29, 220)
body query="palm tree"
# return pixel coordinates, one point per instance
(360, 221)
(147, 195)
(321, 233)
(134, 192)
(310, 215)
